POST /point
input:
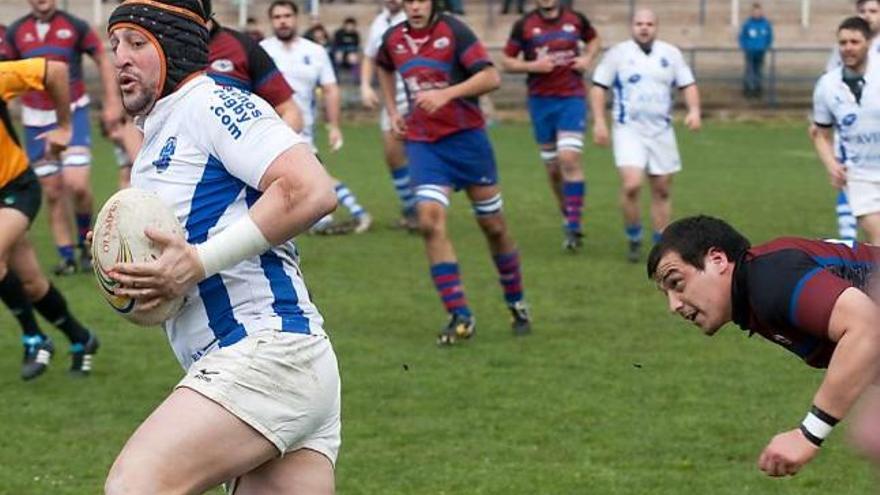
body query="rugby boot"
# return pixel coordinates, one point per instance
(634, 253)
(64, 267)
(521, 323)
(37, 354)
(362, 223)
(81, 356)
(574, 240)
(85, 260)
(459, 327)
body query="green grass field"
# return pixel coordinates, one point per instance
(610, 395)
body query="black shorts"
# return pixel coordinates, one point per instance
(24, 194)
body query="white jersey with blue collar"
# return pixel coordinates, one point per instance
(305, 66)
(205, 150)
(642, 83)
(857, 123)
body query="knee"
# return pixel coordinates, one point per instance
(53, 191)
(122, 480)
(660, 193)
(34, 287)
(630, 190)
(79, 190)
(431, 222)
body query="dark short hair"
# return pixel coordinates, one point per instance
(856, 24)
(283, 3)
(693, 237)
(859, 3)
(350, 19)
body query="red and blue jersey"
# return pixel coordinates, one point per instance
(236, 60)
(533, 35)
(64, 38)
(441, 55)
(785, 291)
(5, 50)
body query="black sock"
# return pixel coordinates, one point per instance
(12, 294)
(53, 307)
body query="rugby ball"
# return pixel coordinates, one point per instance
(118, 237)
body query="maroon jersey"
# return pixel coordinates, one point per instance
(66, 39)
(443, 54)
(235, 59)
(786, 289)
(559, 38)
(5, 50)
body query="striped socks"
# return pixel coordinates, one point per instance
(573, 197)
(846, 222)
(509, 276)
(448, 283)
(403, 188)
(348, 200)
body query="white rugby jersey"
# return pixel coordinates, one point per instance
(381, 24)
(305, 66)
(857, 124)
(643, 83)
(205, 150)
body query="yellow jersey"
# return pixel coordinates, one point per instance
(16, 78)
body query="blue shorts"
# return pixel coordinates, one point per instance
(459, 160)
(82, 135)
(553, 114)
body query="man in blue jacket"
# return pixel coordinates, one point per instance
(755, 39)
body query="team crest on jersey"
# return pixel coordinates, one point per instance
(165, 155)
(307, 60)
(849, 119)
(29, 38)
(635, 78)
(441, 43)
(222, 65)
(64, 34)
(399, 48)
(663, 62)
(536, 31)
(568, 28)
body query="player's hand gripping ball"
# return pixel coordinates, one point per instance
(119, 237)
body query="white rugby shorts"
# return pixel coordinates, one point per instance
(657, 154)
(284, 385)
(385, 121)
(864, 196)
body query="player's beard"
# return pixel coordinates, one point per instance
(286, 34)
(139, 102)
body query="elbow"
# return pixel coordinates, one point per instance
(494, 79)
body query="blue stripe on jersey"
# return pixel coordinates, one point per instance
(424, 62)
(796, 294)
(286, 302)
(224, 80)
(47, 50)
(553, 36)
(618, 97)
(269, 75)
(216, 190)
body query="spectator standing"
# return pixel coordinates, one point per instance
(755, 38)
(346, 46)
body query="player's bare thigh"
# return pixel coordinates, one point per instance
(303, 472)
(870, 223)
(631, 176)
(189, 444)
(13, 225)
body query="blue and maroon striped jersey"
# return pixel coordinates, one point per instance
(5, 50)
(441, 55)
(66, 39)
(559, 38)
(785, 291)
(235, 59)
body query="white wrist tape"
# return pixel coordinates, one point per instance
(816, 426)
(236, 243)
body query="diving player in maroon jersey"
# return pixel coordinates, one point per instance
(551, 39)
(816, 299)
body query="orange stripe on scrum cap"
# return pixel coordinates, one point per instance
(152, 39)
(170, 8)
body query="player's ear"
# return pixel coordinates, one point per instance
(717, 258)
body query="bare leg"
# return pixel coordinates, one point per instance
(661, 201)
(870, 223)
(304, 472)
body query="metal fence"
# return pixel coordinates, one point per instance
(789, 77)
